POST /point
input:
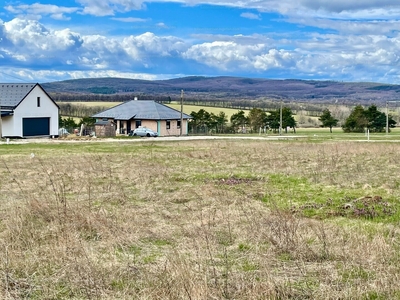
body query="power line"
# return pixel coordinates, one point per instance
(19, 78)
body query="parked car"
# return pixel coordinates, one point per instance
(63, 132)
(143, 131)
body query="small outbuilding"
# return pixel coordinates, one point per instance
(27, 111)
(105, 128)
(130, 115)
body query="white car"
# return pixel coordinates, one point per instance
(63, 132)
(143, 131)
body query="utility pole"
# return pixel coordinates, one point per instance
(181, 113)
(387, 114)
(387, 118)
(280, 121)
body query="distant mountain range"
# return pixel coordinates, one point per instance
(231, 88)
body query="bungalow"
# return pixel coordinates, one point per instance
(146, 113)
(26, 111)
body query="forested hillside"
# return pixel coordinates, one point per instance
(222, 89)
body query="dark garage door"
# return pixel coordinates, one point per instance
(35, 126)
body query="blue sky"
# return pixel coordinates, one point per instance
(342, 40)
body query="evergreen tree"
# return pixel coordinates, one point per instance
(288, 120)
(357, 121)
(239, 120)
(327, 119)
(273, 120)
(201, 120)
(370, 118)
(221, 120)
(257, 118)
(377, 119)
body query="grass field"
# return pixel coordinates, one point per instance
(187, 109)
(213, 219)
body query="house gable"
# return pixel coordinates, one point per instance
(13, 94)
(27, 105)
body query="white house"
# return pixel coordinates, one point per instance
(27, 111)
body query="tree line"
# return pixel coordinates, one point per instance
(256, 120)
(79, 110)
(360, 119)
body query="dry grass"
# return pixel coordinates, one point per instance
(188, 109)
(196, 220)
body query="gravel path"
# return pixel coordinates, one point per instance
(169, 138)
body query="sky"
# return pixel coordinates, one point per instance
(340, 40)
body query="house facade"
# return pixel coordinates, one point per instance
(144, 113)
(27, 111)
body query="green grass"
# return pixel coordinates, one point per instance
(302, 197)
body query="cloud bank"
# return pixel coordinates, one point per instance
(310, 39)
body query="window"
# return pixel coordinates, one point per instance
(178, 124)
(168, 124)
(138, 123)
(38, 101)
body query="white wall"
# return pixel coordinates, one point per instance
(28, 109)
(7, 126)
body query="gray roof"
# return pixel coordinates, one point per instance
(141, 110)
(11, 94)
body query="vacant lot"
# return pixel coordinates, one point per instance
(200, 220)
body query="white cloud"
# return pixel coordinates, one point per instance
(339, 6)
(129, 20)
(226, 56)
(309, 6)
(33, 38)
(37, 9)
(274, 59)
(339, 9)
(161, 25)
(12, 75)
(251, 16)
(31, 42)
(350, 27)
(365, 48)
(109, 7)
(149, 45)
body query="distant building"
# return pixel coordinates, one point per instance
(105, 128)
(27, 111)
(130, 115)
